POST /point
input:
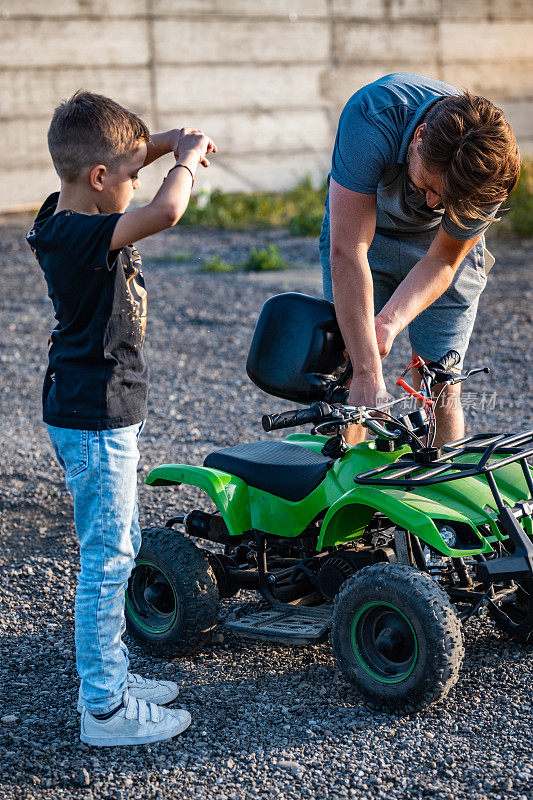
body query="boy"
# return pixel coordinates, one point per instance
(95, 387)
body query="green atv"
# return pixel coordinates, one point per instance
(387, 546)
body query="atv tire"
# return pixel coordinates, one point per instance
(172, 597)
(396, 637)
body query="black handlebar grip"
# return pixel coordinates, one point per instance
(451, 359)
(290, 419)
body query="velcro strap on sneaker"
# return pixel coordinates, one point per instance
(132, 708)
(143, 712)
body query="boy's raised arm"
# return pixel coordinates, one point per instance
(172, 199)
(159, 145)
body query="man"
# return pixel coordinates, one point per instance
(419, 171)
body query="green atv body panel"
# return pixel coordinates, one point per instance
(244, 507)
(349, 507)
(229, 493)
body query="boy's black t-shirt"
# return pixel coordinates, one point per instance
(97, 375)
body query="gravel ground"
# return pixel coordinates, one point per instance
(268, 721)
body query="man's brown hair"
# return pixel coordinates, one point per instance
(468, 139)
(91, 129)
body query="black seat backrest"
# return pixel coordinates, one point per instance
(296, 347)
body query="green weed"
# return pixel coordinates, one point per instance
(300, 209)
(520, 203)
(176, 258)
(216, 264)
(259, 260)
(264, 260)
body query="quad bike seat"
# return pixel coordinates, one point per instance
(285, 470)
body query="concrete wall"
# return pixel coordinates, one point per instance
(265, 78)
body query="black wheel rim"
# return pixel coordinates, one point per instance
(384, 642)
(151, 601)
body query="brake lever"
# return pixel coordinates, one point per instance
(345, 415)
(475, 371)
(329, 428)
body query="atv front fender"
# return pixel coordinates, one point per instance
(405, 509)
(228, 493)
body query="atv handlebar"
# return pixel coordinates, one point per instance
(324, 416)
(302, 416)
(432, 372)
(447, 362)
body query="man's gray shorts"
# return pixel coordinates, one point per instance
(448, 322)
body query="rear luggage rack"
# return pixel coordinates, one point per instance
(407, 472)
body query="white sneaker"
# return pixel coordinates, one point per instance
(160, 692)
(137, 722)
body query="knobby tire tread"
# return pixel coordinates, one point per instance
(173, 551)
(447, 663)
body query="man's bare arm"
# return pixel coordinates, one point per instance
(353, 223)
(425, 282)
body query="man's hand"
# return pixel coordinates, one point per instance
(369, 391)
(386, 333)
(186, 140)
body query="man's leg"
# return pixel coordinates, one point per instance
(449, 414)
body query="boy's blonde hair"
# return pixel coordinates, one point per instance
(91, 129)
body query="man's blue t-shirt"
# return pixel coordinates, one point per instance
(375, 129)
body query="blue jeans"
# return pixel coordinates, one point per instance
(101, 475)
(448, 322)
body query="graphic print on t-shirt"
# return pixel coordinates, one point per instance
(136, 296)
